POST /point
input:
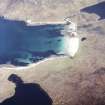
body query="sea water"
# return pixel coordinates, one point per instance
(21, 44)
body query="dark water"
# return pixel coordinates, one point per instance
(27, 93)
(21, 44)
(98, 9)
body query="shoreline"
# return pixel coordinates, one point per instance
(43, 23)
(33, 64)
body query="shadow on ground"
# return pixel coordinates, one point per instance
(27, 94)
(98, 9)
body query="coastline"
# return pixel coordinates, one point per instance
(33, 64)
(10, 66)
(44, 23)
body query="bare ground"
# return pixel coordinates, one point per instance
(77, 81)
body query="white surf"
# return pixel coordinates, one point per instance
(71, 45)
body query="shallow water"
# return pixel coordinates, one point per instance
(21, 44)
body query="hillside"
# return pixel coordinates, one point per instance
(42, 10)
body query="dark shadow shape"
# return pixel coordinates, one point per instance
(83, 39)
(58, 40)
(27, 94)
(98, 9)
(100, 71)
